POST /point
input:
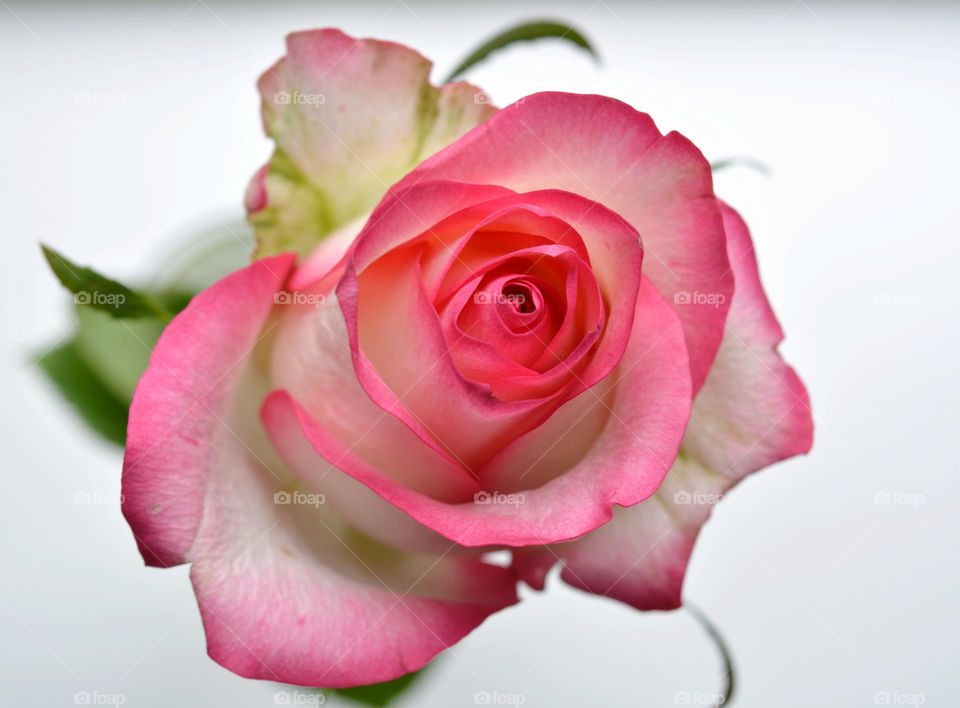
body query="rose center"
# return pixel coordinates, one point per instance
(520, 295)
(519, 305)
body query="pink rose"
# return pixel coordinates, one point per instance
(549, 336)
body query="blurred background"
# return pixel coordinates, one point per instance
(834, 577)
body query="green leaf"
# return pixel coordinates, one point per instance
(380, 694)
(97, 291)
(103, 411)
(116, 350)
(749, 162)
(98, 370)
(523, 33)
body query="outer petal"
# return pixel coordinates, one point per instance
(606, 151)
(175, 431)
(289, 594)
(636, 445)
(752, 411)
(287, 591)
(349, 118)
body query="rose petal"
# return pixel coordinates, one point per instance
(611, 154)
(349, 118)
(175, 434)
(327, 256)
(410, 372)
(633, 453)
(753, 411)
(401, 353)
(312, 359)
(583, 429)
(289, 594)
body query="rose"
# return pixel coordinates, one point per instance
(498, 315)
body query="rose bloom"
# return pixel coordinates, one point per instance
(466, 330)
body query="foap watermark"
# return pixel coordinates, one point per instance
(499, 298)
(886, 497)
(87, 498)
(298, 98)
(99, 299)
(498, 698)
(98, 698)
(697, 698)
(298, 498)
(283, 297)
(299, 698)
(685, 297)
(899, 698)
(696, 498)
(499, 498)
(98, 98)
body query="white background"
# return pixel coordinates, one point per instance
(826, 597)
